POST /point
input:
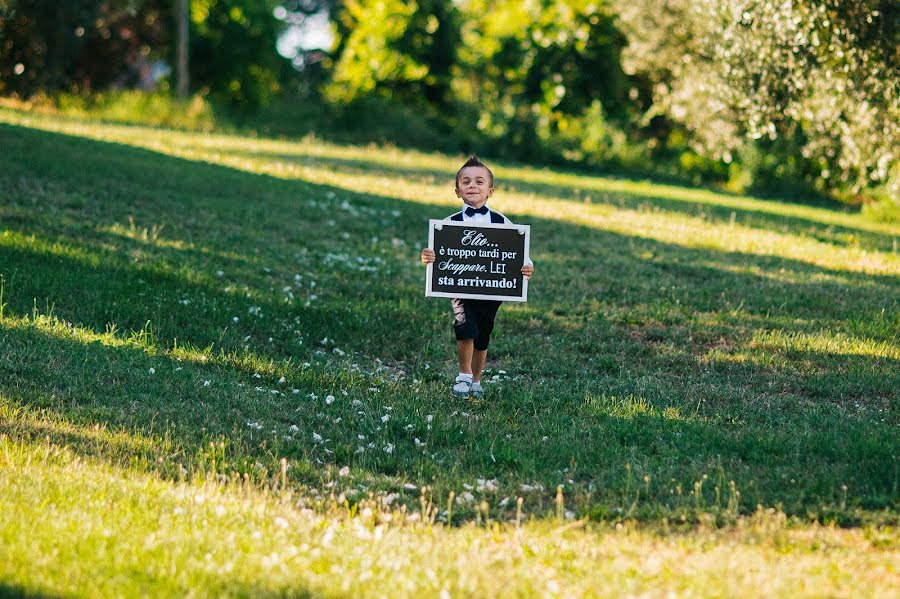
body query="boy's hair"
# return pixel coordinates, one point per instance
(474, 161)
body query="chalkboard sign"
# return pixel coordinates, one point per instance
(481, 261)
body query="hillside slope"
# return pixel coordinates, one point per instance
(194, 308)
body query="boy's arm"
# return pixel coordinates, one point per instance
(528, 269)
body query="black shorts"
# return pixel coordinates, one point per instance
(474, 319)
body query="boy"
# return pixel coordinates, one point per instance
(474, 319)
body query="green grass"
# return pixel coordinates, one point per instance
(187, 314)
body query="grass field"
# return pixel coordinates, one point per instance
(219, 376)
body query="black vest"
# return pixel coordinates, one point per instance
(495, 218)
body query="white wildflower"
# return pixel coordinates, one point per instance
(345, 471)
(465, 497)
(317, 438)
(484, 485)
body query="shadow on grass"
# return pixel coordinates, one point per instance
(13, 591)
(218, 587)
(679, 327)
(615, 193)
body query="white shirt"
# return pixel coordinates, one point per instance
(481, 218)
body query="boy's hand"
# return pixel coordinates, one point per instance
(528, 270)
(427, 256)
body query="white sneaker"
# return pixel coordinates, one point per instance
(476, 390)
(462, 386)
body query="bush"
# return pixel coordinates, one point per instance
(157, 109)
(367, 120)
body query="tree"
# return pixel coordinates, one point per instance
(401, 49)
(530, 72)
(798, 91)
(78, 45)
(90, 45)
(830, 67)
(233, 49)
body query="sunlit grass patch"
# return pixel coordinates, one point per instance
(233, 539)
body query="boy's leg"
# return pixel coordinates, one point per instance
(485, 312)
(466, 329)
(479, 357)
(464, 350)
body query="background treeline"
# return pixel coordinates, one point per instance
(800, 99)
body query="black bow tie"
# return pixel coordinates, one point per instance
(473, 211)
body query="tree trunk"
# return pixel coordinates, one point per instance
(181, 12)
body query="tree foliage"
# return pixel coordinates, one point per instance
(830, 67)
(86, 45)
(798, 90)
(398, 49)
(771, 95)
(528, 72)
(507, 74)
(78, 45)
(233, 49)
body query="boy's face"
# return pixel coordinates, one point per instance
(474, 186)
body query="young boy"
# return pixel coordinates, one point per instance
(474, 319)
